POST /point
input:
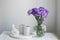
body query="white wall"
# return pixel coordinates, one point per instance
(15, 11)
(58, 17)
(1, 18)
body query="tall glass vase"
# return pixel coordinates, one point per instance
(39, 30)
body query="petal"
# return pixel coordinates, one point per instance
(29, 12)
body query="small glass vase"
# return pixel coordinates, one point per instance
(39, 31)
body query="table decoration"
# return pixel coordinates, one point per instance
(39, 14)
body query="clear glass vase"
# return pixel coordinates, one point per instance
(39, 31)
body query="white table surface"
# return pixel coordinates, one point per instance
(47, 36)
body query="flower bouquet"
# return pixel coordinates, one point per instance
(39, 14)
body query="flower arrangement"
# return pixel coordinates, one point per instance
(39, 14)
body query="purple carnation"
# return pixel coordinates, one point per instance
(35, 12)
(29, 12)
(38, 12)
(43, 11)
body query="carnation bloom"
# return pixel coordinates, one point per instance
(38, 12)
(43, 11)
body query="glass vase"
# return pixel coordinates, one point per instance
(39, 31)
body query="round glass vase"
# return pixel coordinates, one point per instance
(39, 31)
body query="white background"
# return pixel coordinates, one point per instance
(58, 17)
(15, 12)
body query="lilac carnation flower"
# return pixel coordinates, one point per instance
(43, 11)
(38, 12)
(34, 11)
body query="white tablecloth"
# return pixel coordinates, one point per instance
(47, 36)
